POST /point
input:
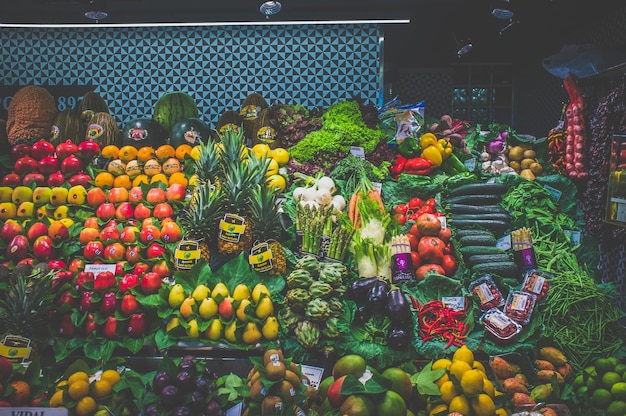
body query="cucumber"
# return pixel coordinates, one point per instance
(472, 217)
(482, 188)
(478, 240)
(473, 250)
(496, 226)
(464, 232)
(475, 209)
(486, 258)
(474, 199)
(506, 269)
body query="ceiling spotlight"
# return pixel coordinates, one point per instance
(270, 8)
(96, 10)
(463, 47)
(501, 9)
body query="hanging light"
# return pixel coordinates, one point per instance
(270, 8)
(501, 9)
(96, 10)
(463, 46)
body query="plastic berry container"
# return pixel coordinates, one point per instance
(537, 282)
(487, 292)
(519, 306)
(499, 326)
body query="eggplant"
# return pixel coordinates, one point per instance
(377, 296)
(398, 338)
(398, 309)
(357, 291)
(363, 314)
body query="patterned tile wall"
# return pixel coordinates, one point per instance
(218, 66)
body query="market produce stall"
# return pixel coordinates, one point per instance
(361, 261)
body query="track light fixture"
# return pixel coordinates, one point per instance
(270, 8)
(96, 10)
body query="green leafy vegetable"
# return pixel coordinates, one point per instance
(424, 381)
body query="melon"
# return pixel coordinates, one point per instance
(89, 105)
(173, 107)
(68, 125)
(191, 131)
(142, 132)
(31, 112)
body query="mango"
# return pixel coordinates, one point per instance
(502, 368)
(565, 370)
(554, 355)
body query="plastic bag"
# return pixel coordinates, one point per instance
(581, 60)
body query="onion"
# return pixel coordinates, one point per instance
(323, 197)
(338, 202)
(326, 183)
(308, 194)
(496, 147)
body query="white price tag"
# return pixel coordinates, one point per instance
(455, 302)
(357, 151)
(313, 373)
(443, 221)
(504, 243)
(573, 235)
(378, 186)
(33, 411)
(556, 194)
(99, 268)
(236, 410)
(621, 213)
(470, 164)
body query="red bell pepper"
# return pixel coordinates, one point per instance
(418, 166)
(398, 166)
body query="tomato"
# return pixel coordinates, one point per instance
(415, 203)
(413, 216)
(448, 249)
(430, 249)
(420, 272)
(401, 218)
(425, 209)
(445, 234)
(413, 241)
(449, 264)
(415, 231)
(431, 203)
(428, 224)
(415, 260)
(401, 209)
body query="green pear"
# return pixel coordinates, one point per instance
(176, 296)
(200, 292)
(208, 308)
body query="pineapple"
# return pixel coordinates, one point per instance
(265, 218)
(207, 166)
(200, 218)
(240, 175)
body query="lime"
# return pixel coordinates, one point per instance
(591, 371)
(578, 381)
(601, 398)
(618, 390)
(582, 391)
(620, 368)
(616, 408)
(610, 378)
(604, 365)
(592, 383)
(613, 360)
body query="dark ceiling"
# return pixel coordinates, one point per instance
(428, 40)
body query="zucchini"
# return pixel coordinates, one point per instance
(506, 269)
(472, 217)
(487, 258)
(475, 209)
(478, 240)
(467, 251)
(482, 188)
(474, 199)
(464, 232)
(493, 225)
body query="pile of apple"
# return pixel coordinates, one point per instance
(35, 239)
(106, 304)
(46, 165)
(24, 203)
(243, 317)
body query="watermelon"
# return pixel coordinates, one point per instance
(191, 131)
(173, 107)
(142, 132)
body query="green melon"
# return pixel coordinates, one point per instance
(173, 107)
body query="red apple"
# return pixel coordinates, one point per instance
(114, 252)
(36, 230)
(135, 194)
(105, 211)
(66, 149)
(92, 222)
(129, 304)
(96, 197)
(17, 249)
(162, 210)
(109, 234)
(155, 250)
(80, 178)
(132, 254)
(109, 329)
(49, 164)
(58, 231)
(120, 267)
(56, 264)
(71, 164)
(117, 195)
(42, 248)
(35, 177)
(67, 329)
(151, 283)
(129, 234)
(10, 229)
(149, 234)
(335, 398)
(156, 196)
(171, 232)
(140, 268)
(76, 265)
(89, 325)
(93, 250)
(11, 179)
(142, 212)
(41, 148)
(56, 179)
(137, 325)
(124, 211)
(176, 192)
(162, 269)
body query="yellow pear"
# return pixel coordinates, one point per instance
(186, 308)
(176, 296)
(259, 290)
(241, 310)
(200, 293)
(215, 330)
(21, 194)
(230, 332)
(251, 334)
(208, 308)
(6, 194)
(58, 196)
(242, 291)
(171, 324)
(26, 210)
(41, 195)
(8, 210)
(61, 212)
(220, 290)
(77, 195)
(264, 308)
(192, 331)
(270, 328)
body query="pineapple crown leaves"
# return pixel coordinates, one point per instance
(207, 166)
(233, 148)
(204, 210)
(240, 178)
(265, 213)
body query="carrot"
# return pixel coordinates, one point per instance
(352, 207)
(375, 196)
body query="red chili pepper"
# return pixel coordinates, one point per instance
(398, 166)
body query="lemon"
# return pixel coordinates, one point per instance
(501, 412)
(616, 408)
(489, 388)
(442, 380)
(610, 378)
(78, 389)
(100, 389)
(483, 405)
(464, 354)
(479, 366)
(458, 368)
(459, 404)
(448, 391)
(472, 382)
(86, 406)
(111, 376)
(441, 363)
(601, 398)
(57, 399)
(79, 375)
(618, 390)
(276, 182)
(261, 149)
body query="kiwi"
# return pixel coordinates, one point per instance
(295, 368)
(293, 378)
(271, 405)
(285, 390)
(251, 373)
(257, 391)
(272, 355)
(275, 370)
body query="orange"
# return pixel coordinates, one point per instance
(86, 406)
(159, 177)
(78, 389)
(165, 151)
(123, 181)
(145, 153)
(104, 180)
(110, 151)
(179, 178)
(182, 150)
(111, 376)
(100, 389)
(128, 153)
(139, 179)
